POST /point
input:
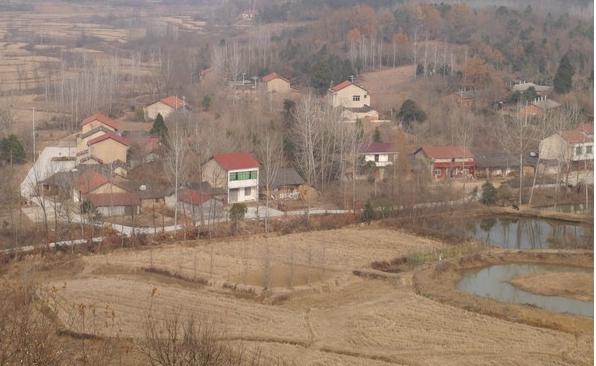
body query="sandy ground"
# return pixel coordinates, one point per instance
(568, 284)
(336, 319)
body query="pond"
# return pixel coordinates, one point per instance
(493, 282)
(529, 233)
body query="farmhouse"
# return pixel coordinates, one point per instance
(524, 86)
(199, 205)
(445, 161)
(498, 163)
(354, 101)
(114, 204)
(276, 84)
(164, 107)
(105, 149)
(285, 185)
(381, 154)
(237, 173)
(571, 146)
(540, 106)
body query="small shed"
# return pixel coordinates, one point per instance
(285, 186)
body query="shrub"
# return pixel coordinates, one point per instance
(368, 214)
(489, 193)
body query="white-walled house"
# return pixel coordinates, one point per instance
(572, 146)
(165, 107)
(237, 173)
(382, 154)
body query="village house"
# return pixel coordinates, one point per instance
(105, 149)
(237, 173)
(445, 161)
(381, 154)
(498, 163)
(285, 185)
(114, 204)
(165, 107)
(92, 181)
(539, 107)
(51, 160)
(276, 84)
(524, 86)
(198, 205)
(91, 128)
(354, 101)
(575, 147)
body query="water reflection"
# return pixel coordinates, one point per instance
(529, 233)
(493, 282)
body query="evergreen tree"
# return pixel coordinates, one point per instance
(563, 77)
(409, 112)
(159, 129)
(377, 135)
(11, 150)
(489, 193)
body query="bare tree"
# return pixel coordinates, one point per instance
(270, 153)
(176, 158)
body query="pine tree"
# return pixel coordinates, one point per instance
(563, 77)
(489, 193)
(159, 128)
(11, 150)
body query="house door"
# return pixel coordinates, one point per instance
(233, 195)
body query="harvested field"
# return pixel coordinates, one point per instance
(579, 286)
(337, 319)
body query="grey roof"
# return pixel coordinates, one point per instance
(526, 86)
(285, 177)
(499, 159)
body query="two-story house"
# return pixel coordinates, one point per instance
(575, 147)
(354, 101)
(99, 141)
(445, 161)
(237, 173)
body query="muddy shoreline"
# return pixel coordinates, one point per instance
(439, 282)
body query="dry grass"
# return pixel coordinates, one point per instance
(347, 320)
(569, 284)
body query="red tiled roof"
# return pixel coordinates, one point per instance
(586, 128)
(101, 118)
(194, 197)
(108, 135)
(341, 86)
(446, 152)
(376, 147)
(576, 137)
(236, 161)
(173, 101)
(90, 180)
(273, 76)
(113, 199)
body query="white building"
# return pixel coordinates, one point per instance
(382, 154)
(237, 173)
(52, 160)
(573, 146)
(165, 107)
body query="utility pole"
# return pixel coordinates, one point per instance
(33, 135)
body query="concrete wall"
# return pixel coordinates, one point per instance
(108, 151)
(214, 174)
(278, 86)
(154, 109)
(344, 97)
(553, 147)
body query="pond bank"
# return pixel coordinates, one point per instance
(439, 282)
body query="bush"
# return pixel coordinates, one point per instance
(489, 193)
(368, 214)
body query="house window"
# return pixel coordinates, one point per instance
(437, 172)
(355, 98)
(578, 150)
(588, 149)
(243, 175)
(248, 191)
(377, 158)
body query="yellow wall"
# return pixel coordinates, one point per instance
(278, 86)
(214, 174)
(108, 150)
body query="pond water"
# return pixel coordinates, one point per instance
(529, 233)
(493, 282)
